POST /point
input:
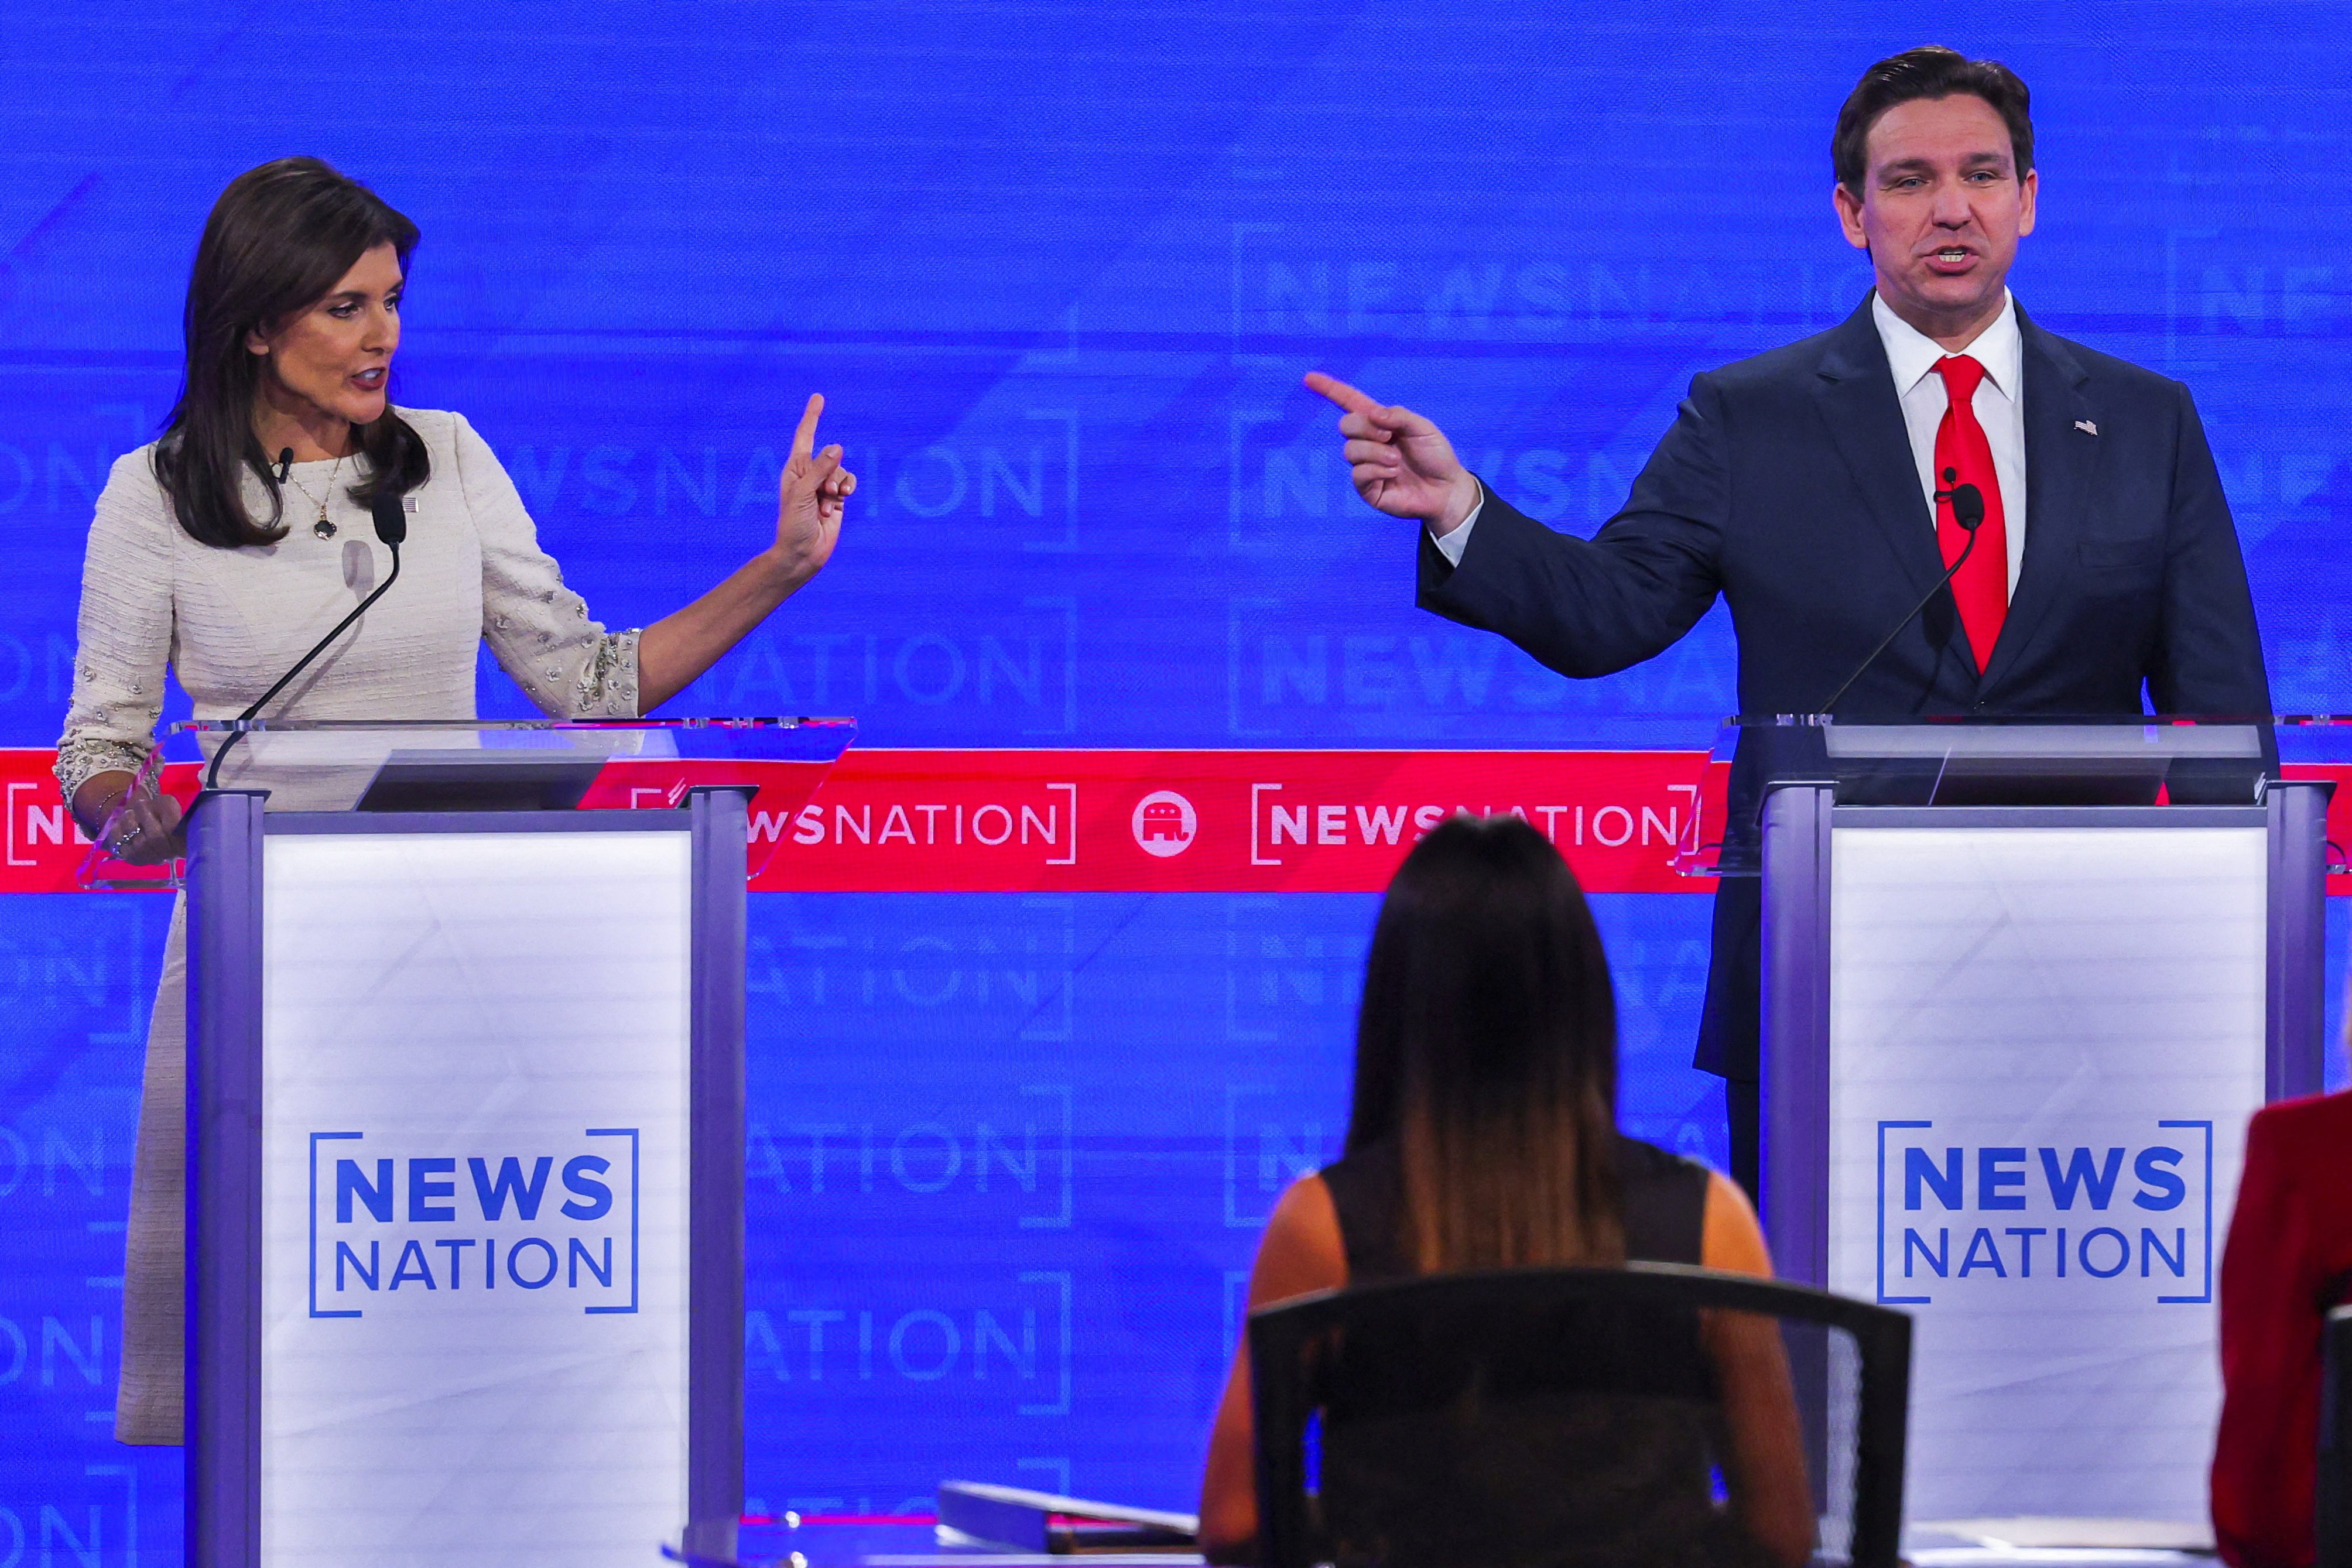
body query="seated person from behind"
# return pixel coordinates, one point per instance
(2288, 1261)
(1482, 1135)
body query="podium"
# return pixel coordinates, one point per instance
(465, 1137)
(2015, 1017)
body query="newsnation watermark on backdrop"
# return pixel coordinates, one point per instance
(1122, 821)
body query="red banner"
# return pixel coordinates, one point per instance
(888, 821)
(1115, 821)
(1215, 821)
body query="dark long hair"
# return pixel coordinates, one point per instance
(1487, 1050)
(279, 237)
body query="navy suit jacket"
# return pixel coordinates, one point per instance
(1787, 485)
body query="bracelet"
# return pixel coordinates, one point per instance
(104, 810)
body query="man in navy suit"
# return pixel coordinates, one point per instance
(1823, 488)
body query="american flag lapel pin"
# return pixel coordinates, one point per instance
(2086, 427)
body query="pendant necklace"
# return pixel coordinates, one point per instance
(321, 528)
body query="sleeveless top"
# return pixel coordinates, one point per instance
(1664, 1198)
(1590, 1438)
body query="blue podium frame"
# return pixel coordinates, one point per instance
(226, 831)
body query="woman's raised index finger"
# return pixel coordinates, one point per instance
(804, 438)
(1340, 393)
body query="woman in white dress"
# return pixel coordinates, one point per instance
(199, 559)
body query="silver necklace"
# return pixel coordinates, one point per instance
(322, 528)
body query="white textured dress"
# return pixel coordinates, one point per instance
(230, 622)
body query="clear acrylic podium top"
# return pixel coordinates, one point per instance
(473, 765)
(546, 764)
(2122, 760)
(2021, 761)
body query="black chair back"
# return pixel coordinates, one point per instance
(1556, 1416)
(2335, 1441)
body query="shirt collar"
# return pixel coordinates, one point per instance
(1911, 354)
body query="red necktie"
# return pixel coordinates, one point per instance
(1963, 456)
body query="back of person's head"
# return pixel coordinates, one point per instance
(1488, 1051)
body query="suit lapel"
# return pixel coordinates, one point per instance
(1855, 394)
(2058, 459)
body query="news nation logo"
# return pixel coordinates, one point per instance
(389, 1228)
(1164, 824)
(1959, 1222)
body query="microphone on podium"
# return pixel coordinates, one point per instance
(1969, 512)
(390, 513)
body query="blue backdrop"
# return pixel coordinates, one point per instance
(1058, 269)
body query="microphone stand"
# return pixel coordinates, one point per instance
(1969, 512)
(392, 529)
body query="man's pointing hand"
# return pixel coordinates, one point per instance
(1400, 462)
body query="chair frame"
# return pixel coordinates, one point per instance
(2335, 1520)
(1277, 1335)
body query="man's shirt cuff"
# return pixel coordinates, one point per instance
(1452, 545)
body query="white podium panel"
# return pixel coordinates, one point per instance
(474, 1180)
(2043, 1047)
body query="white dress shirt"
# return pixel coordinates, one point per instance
(1999, 405)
